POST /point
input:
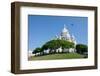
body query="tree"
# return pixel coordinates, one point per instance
(37, 50)
(52, 45)
(55, 44)
(66, 44)
(81, 48)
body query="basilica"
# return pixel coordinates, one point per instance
(65, 35)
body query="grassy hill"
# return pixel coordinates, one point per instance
(57, 56)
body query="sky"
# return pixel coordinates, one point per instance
(42, 28)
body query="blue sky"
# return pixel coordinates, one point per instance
(42, 28)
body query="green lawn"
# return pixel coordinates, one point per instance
(57, 56)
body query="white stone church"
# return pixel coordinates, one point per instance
(65, 35)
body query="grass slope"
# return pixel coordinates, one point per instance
(57, 56)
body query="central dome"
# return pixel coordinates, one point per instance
(64, 29)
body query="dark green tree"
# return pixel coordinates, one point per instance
(55, 44)
(81, 48)
(37, 50)
(66, 44)
(52, 45)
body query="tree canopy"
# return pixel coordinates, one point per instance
(37, 50)
(81, 48)
(55, 44)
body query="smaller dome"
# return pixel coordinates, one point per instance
(68, 36)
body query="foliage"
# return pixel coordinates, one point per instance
(37, 50)
(81, 49)
(66, 44)
(55, 44)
